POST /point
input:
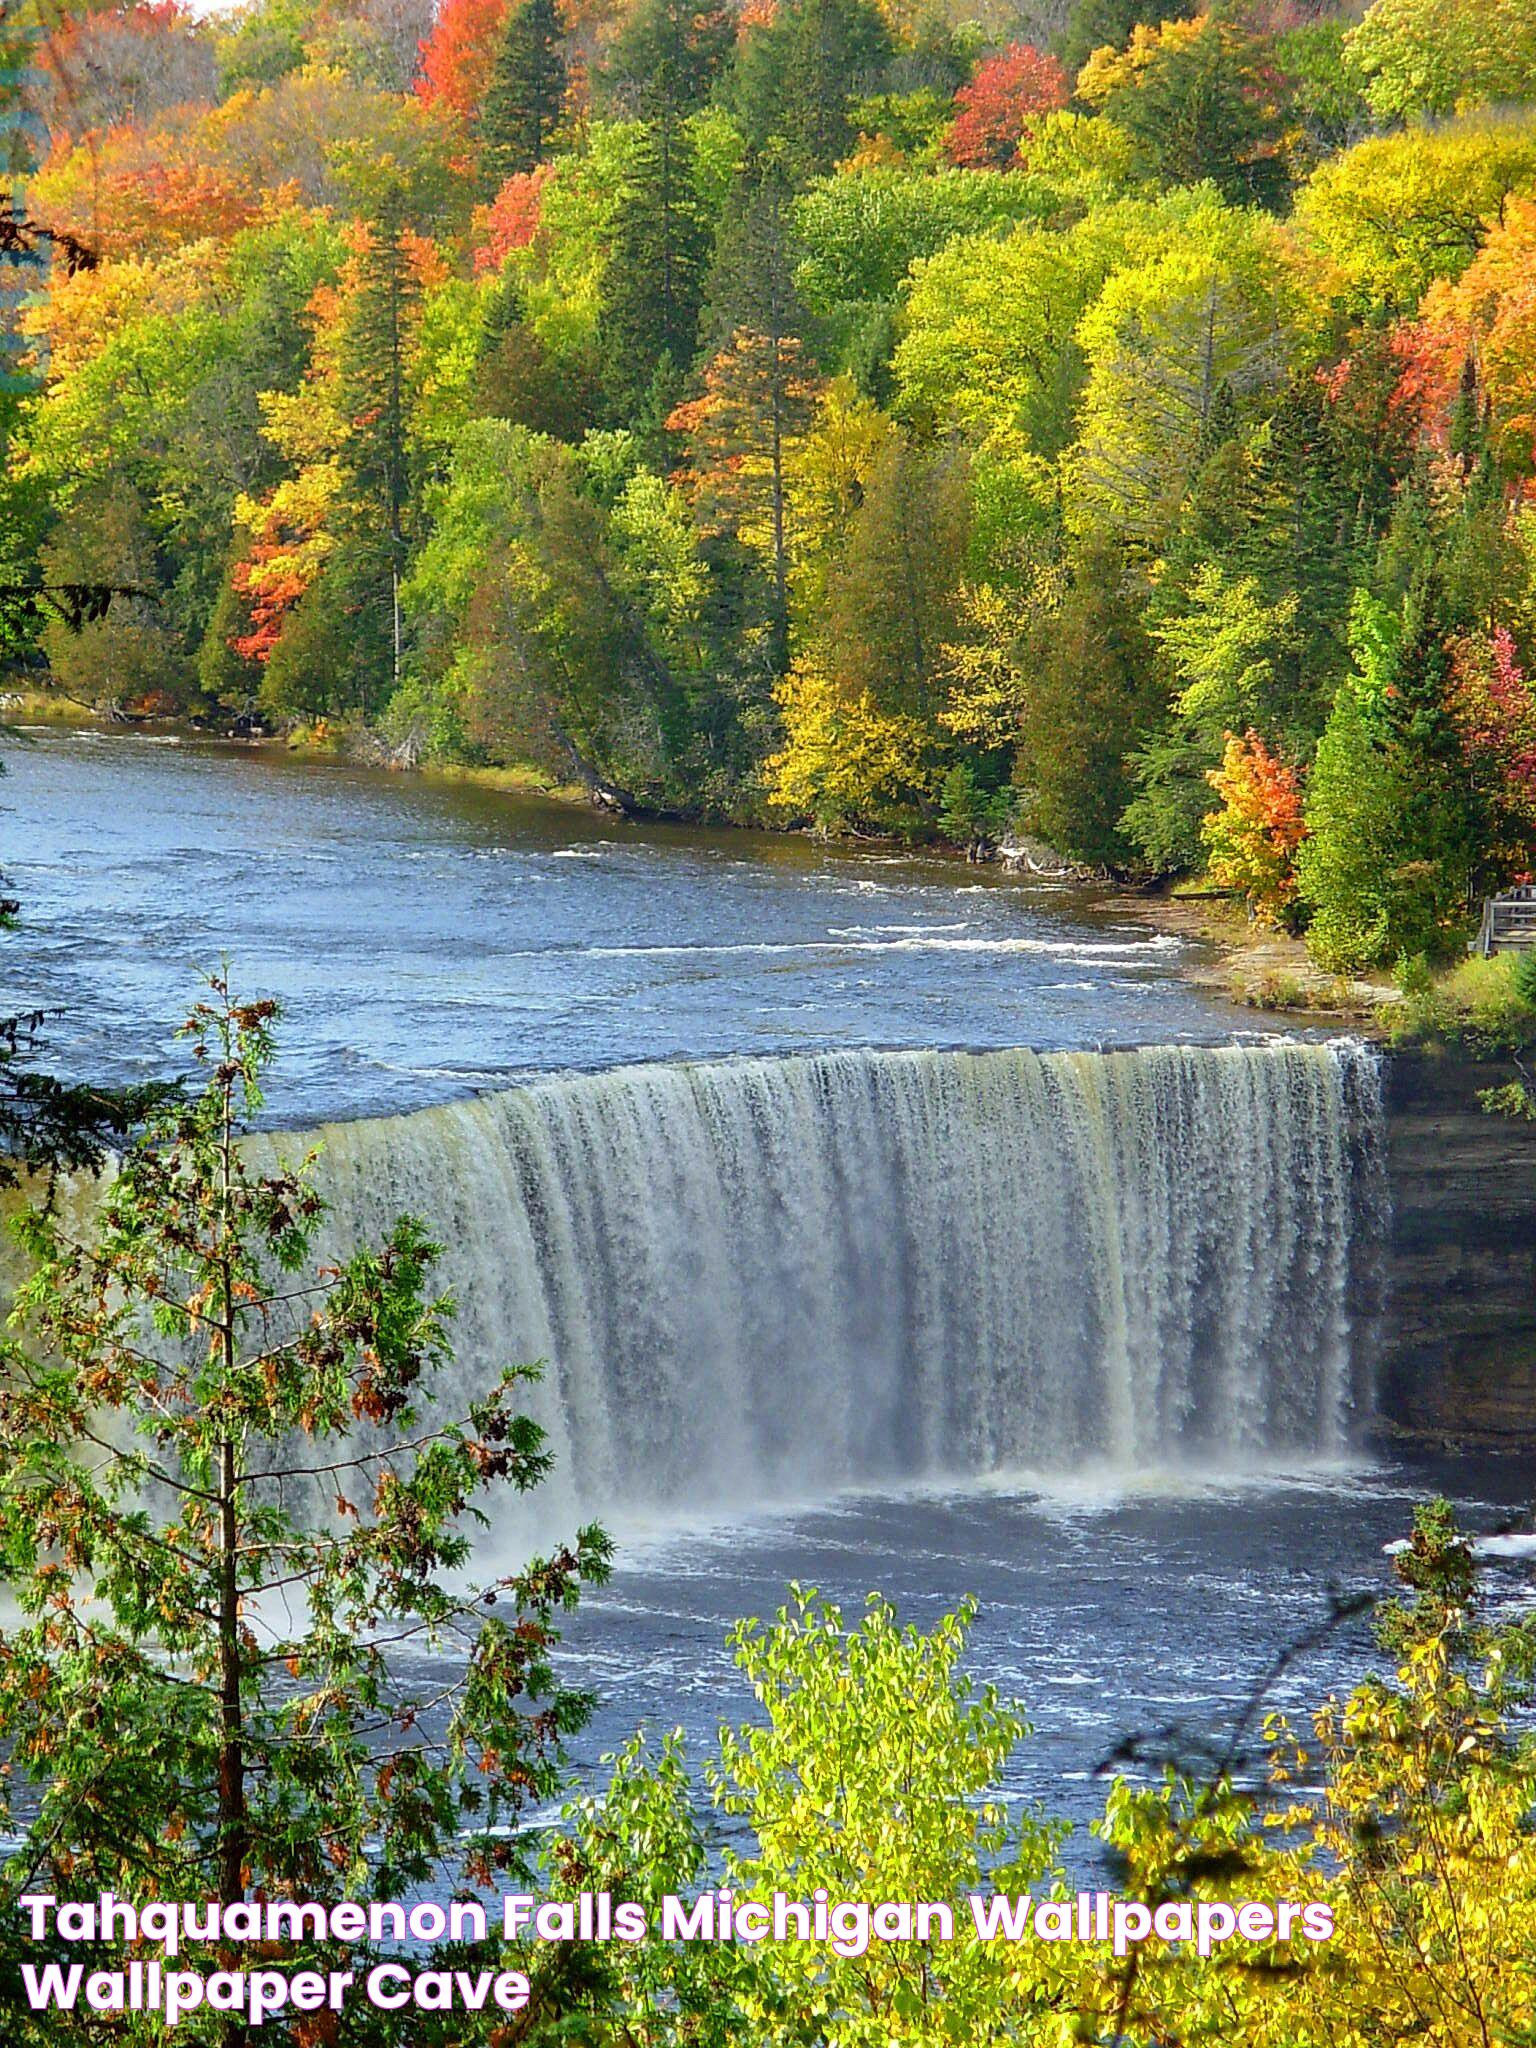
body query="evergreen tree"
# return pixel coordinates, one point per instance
(1394, 817)
(525, 100)
(1310, 530)
(893, 606)
(666, 58)
(653, 286)
(1204, 109)
(1090, 690)
(1107, 24)
(753, 298)
(224, 1506)
(796, 80)
(519, 377)
(376, 343)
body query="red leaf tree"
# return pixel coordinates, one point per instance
(1004, 100)
(511, 220)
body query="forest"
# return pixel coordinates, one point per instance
(1107, 422)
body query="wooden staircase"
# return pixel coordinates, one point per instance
(1509, 923)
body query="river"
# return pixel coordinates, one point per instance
(878, 1283)
(429, 938)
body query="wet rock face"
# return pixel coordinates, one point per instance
(1458, 1356)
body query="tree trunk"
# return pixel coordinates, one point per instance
(780, 561)
(234, 1832)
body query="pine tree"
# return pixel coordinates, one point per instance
(526, 97)
(797, 77)
(1097, 24)
(375, 347)
(1395, 819)
(666, 58)
(893, 607)
(653, 286)
(759, 324)
(1091, 689)
(1203, 110)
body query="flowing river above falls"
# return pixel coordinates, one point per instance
(853, 1259)
(429, 939)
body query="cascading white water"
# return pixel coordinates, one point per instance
(765, 1279)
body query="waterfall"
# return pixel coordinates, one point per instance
(765, 1279)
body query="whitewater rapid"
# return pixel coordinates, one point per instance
(764, 1280)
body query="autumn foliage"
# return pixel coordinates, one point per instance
(728, 429)
(511, 220)
(1253, 838)
(1494, 709)
(1004, 100)
(736, 416)
(1487, 319)
(133, 193)
(456, 59)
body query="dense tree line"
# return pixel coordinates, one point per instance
(1113, 421)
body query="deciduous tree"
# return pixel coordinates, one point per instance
(1434, 57)
(1004, 100)
(1253, 838)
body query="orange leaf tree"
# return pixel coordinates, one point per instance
(1253, 838)
(457, 58)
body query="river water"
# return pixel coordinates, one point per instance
(429, 938)
(1157, 1609)
(431, 941)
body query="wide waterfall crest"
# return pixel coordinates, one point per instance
(768, 1278)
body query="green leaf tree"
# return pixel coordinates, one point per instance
(1434, 57)
(873, 1773)
(1235, 660)
(227, 1509)
(1091, 692)
(894, 606)
(1179, 348)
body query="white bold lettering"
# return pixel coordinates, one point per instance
(183, 1993)
(268, 1994)
(37, 1904)
(511, 1991)
(52, 1985)
(1132, 1923)
(106, 1991)
(1213, 1923)
(161, 1922)
(380, 1992)
(1001, 1916)
(1174, 1920)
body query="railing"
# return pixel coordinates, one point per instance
(1509, 922)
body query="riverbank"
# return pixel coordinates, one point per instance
(1253, 964)
(1226, 955)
